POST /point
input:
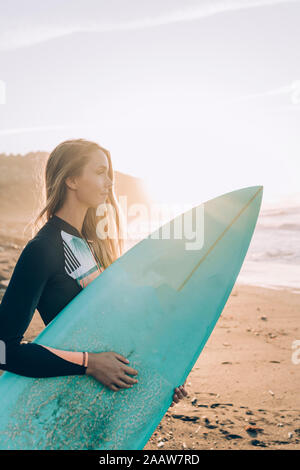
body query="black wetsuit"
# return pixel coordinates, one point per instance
(52, 269)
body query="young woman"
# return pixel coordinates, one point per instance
(62, 258)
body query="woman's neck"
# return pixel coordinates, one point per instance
(74, 218)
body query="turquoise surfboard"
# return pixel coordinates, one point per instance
(157, 306)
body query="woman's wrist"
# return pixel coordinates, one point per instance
(90, 364)
(85, 359)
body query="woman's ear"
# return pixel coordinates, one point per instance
(71, 182)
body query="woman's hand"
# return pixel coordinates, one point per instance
(111, 370)
(179, 393)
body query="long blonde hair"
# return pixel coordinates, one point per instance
(68, 159)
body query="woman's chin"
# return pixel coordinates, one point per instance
(99, 202)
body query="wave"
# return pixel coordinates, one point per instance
(280, 211)
(272, 254)
(283, 226)
(289, 227)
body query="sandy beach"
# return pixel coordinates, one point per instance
(243, 392)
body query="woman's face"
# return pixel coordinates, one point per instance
(94, 183)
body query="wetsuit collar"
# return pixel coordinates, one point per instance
(64, 225)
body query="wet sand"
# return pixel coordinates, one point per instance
(243, 392)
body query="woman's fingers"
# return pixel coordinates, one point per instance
(177, 396)
(179, 392)
(184, 390)
(128, 380)
(175, 400)
(114, 388)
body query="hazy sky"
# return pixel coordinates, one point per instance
(197, 97)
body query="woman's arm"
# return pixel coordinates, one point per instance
(80, 358)
(34, 267)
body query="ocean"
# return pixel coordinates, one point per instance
(273, 257)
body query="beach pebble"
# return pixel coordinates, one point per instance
(279, 425)
(184, 445)
(232, 436)
(160, 444)
(205, 419)
(263, 317)
(290, 435)
(257, 443)
(271, 393)
(252, 431)
(194, 401)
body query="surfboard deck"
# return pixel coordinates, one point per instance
(157, 306)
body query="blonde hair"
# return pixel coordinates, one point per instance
(68, 159)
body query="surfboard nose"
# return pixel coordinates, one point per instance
(172, 253)
(248, 191)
